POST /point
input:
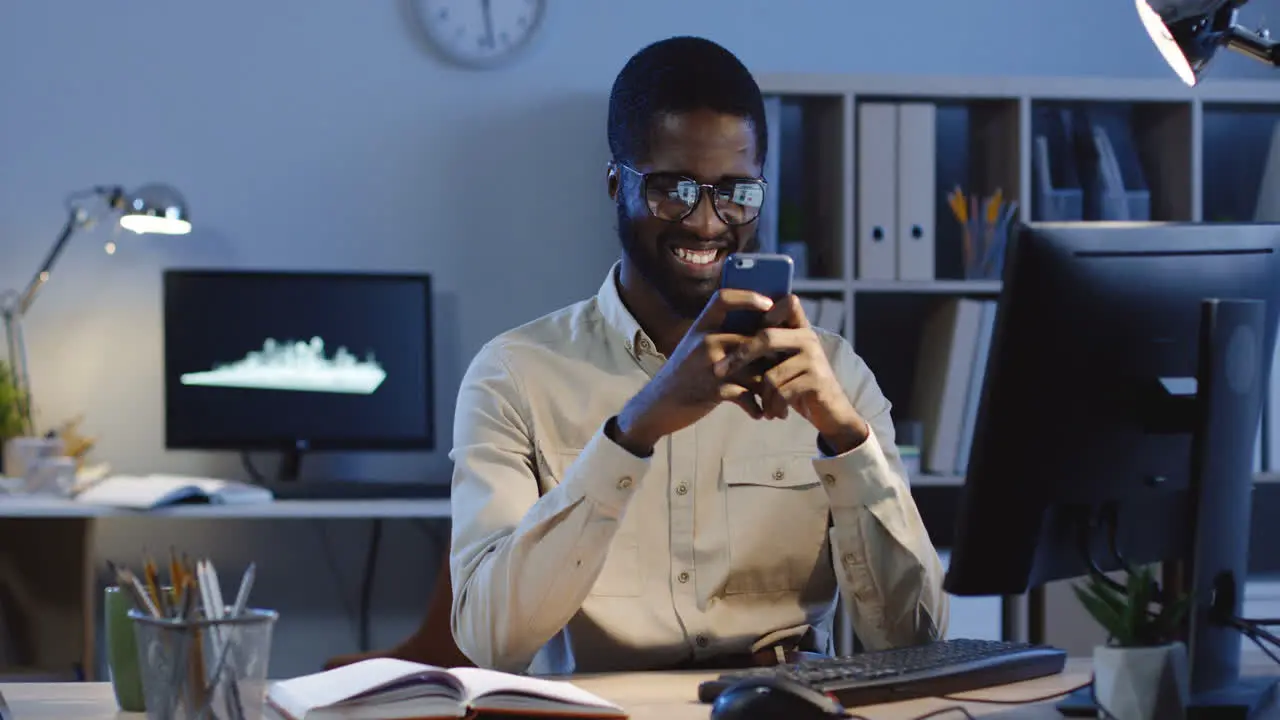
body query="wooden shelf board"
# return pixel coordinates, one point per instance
(941, 287)
(960, 88)
(818, 285)
(936, 480)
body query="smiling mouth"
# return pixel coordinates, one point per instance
(698, 258)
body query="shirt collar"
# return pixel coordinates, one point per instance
(616, 314)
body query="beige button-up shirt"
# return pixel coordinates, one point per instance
(570, 554)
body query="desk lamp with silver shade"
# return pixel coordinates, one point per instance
(1189, 33)
(153, 208)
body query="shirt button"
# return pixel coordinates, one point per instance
(683, 577)
(849, 559)
(644, 345)
(702, 641)
(624, 483)
(830, 479)
(778, 475)
(682, 489)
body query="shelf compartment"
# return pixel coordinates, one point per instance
(975, 147)
(1152, 147)
(1237, 141)
(807, 173)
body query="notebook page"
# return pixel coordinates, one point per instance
(480, 682)
(363, 679)
(131, 492)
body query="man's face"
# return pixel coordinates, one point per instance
(682, 260)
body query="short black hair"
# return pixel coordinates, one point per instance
(677, 75)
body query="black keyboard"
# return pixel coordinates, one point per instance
(358, 490)
(940, 668)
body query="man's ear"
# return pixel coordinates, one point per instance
(613, 180)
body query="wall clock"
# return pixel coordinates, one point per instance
(480, 34)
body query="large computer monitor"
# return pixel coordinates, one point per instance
(297, 361)
(1118, 419)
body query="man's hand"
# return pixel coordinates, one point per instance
(688, 388)
(803, 381)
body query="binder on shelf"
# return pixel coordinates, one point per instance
(916, 190)
(1116, 199)
(831, 314)
(948, 349)
(877, 254)
(1053, 204)
(824, 312)
(977, 376)
(1110, 170)
(1055, 184)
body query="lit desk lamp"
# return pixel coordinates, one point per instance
(1189, 32)
(149, 209)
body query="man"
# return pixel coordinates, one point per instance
(626, 495)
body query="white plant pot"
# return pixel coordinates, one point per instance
(1141, 683)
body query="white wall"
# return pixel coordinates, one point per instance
(320, 136)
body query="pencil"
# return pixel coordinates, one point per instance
(175, 578)
(153, 585)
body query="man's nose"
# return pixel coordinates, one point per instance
(704, 221)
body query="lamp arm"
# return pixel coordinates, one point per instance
(1257, 45)
(77, 217)
(13, 305)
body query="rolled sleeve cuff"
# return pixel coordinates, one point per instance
(859, 477)
(606, 473)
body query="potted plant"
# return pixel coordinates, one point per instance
(1141, 672)
(11, 422)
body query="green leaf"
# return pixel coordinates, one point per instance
(1111, 619)
(1129, 614)
(1136, 612)
(11, 404)
(1108, 594)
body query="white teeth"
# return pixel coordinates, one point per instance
(697, 257)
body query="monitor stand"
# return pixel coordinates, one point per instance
(1223, 411)
(290, 464)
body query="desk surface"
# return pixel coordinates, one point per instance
(646, 696)
(16, 506)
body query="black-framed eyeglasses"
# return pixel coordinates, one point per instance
(673, 197)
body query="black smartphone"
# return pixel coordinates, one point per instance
(766, 273)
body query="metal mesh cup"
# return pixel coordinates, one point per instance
(209, 669)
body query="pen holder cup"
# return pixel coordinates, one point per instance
(209, 669)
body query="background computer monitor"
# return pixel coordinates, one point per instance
(1080, 429)
(297, 361)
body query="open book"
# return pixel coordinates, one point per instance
(153, 491)
(387, 688)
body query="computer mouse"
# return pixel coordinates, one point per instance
(773, 698)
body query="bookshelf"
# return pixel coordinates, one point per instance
(1196, 149)
(1200, 153)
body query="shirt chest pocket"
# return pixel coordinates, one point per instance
(776, 513)
(621, 575)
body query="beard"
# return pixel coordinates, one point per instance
(683, 296)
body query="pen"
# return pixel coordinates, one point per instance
(242, 595)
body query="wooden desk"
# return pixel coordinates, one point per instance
(54, 589)
(646, 696)
(51, 507)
